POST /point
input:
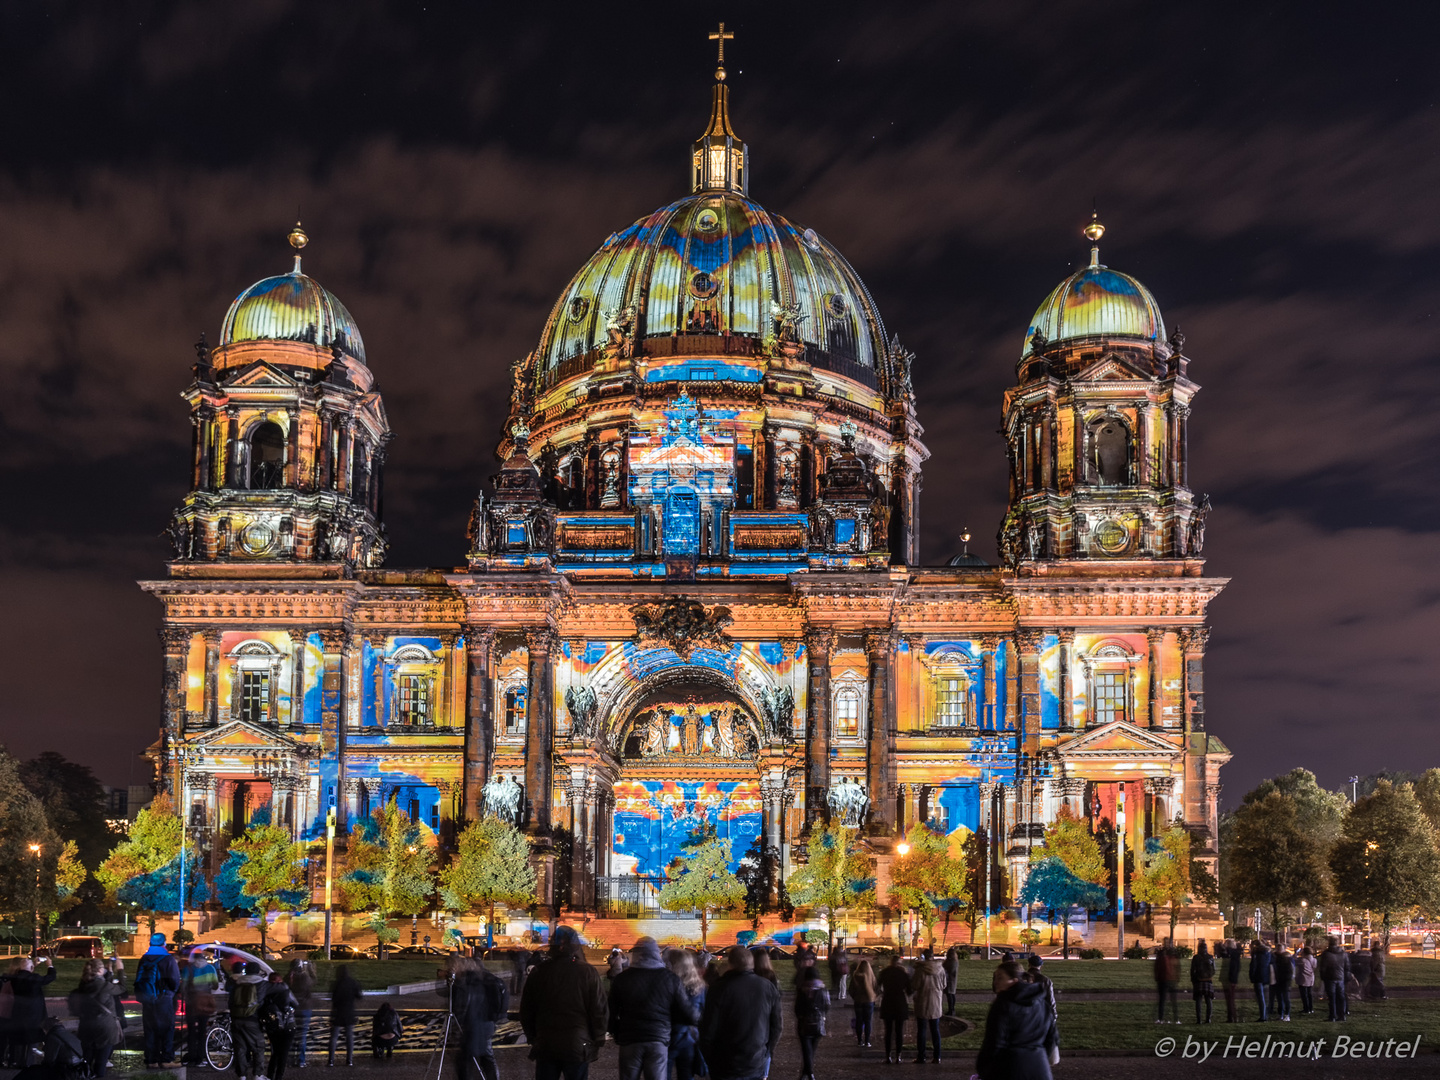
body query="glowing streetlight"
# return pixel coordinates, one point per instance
(902, 848)
(35, 850)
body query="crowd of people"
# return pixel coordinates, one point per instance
(1273, 973)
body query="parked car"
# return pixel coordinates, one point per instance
(344, 952)
(76, 947)
(300, 950)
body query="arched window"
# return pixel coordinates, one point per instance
(1110, 439)
(847, 713)
(267, 457)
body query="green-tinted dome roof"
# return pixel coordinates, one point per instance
(292, 307)
(1097, 302)
(720, 253)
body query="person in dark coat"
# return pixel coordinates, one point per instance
(1231, 981)
(1284, 975)
(812, 1011)
(344, 994)
(97, 1001)
(1260, 976)
(481, 1000)
(1202, 981)
(952, 977)
(246, 990)
(1039, 978)
(647, 1000)
(741, 1022)
(156, 982)
(278, 1017)
(201, 982)
(839, 971)
(1375, 985)
(894, 1006)
(563, 1010)
(302, 988)
(27, 1010)
(386, 1028)
(1167, 981)
(1332, 969)
(685, 1059)
(1018, 1030)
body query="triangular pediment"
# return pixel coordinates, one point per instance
(1110, 368)
(240, 735)
(260, 375)
(1118, 739)
(681, 453)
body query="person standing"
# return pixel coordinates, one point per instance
(646, 1001)
(481, 1001)
(96, 1000)
(246, 991)
(1375, 985)
(839, 971)
(1283, 966)
(1167, 982)
(301, 978)
(952, 978)
(202, 980)
(157, 981)
(685, 1060)
(742, 1021)
(1332, 967)
(1036, 976)
(927, 986)
(1260, 976)
(1305, 979)
(278, 1019)
(863, 990)
(812, 1010)
(1202, 981)
(1231, 981)
(563, 1010)
(894, 1006)
(344, 998)
(1018, 1029)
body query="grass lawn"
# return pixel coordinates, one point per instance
(1137, 974)
(1131, 1026)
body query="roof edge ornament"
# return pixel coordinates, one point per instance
(1093, 232)
(298, 239)
(719, 159)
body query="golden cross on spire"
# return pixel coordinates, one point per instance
(721, 36)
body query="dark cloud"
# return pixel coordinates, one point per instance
(455, 166)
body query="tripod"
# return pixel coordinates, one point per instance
(450, 1020)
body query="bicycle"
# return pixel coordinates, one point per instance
(219, 1045)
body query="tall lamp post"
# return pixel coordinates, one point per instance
(329, 870)
(35, 850)
(1120, 873)
(182, 809)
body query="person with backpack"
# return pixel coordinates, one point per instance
(202, 980)
(1202, 981)
(344, 993)
(480, 1001)
(246, 992)
(157, 981)
(386, 1027)
(277, 1016)
(812, 1010)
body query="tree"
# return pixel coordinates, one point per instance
(926, 878)
(1057, 888)
(1317, 810)
(1165, 869)
(491, 866)
(1386, 859)
(22, 823)
(70, 874)
(1069, 839)
(759, 872)
(835, 875)
(271, 869)
(1427, 791)
(703, 881)
(389, 869)
(1274, 860)
(151, 842)
(74, 802)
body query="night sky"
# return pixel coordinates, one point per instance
(1269, 172)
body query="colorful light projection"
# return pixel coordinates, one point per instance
(654, 819)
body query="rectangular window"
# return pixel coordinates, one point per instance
(940, 816)
(950, 701)
(415, 811)
(414, 699)
(514, 712)
(1109, 696)
(847, 714)
(255, 695)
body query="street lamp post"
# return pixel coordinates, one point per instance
(35, 850)
(1120, 873)
(329, 870)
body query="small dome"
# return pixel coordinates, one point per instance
(1097, 302)
(292, 307)
(717, 264)
(968, 560)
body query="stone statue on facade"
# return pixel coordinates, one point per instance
(582, 704)
(682, 625)
(620, 331)
(1034, 536)
(1195, 534)
(902, 360)
(654, 731)
(778, 706)
(724, 721)
(788, 318)
(848, 803)
(504, 798)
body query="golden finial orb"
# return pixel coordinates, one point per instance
(719, 74)
(1094, 231)
(298, 239)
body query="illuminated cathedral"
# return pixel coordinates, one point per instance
(693, 592)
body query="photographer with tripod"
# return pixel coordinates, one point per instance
(478, 1001)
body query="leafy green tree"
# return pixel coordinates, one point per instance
(74, 802)
(835, 874)
(1386, 859)
(22, 823)
(1274, 860)
(491, 866)
(272, 870)
(926, 878)
(146, 864)
(1427, 791)
(390, 869)
(702, 880)
(1069, 839)
(1164, 877)
(70, 874)
(1055, 887)
(765, 892)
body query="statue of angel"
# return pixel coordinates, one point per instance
(582, 703)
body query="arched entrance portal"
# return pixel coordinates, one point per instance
(688, 756)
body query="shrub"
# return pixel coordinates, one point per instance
(815, 937)
(745, 937)
(1184, 951)
(1243, 933)
(962, 951)
(1136, 951)
(182, 937)
(1029, 938)
(1092, 954)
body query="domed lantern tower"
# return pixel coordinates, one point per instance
(289, 434)
(1096, 429)
(690, 391)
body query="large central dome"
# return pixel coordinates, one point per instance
(717, 264)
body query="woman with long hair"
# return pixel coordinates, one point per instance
(685, 1060)
(863, 990)
(96, 1002)
(812, 1009)
(764, 966)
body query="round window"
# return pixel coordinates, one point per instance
(812, 239)
(257, 537)
(1112, 537)
(707, 220)
(579, 308)
(836, 305)
(703, 286)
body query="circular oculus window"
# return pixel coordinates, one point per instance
(703, 286)
(836, 305)
(1112, 537)
(579, 308)
(257, 537)
(811, 238)
(707, 220)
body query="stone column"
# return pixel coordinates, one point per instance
(212, 678)
(1182, 445)
(1067, 684)
(1192, 647)
(176, 643)
(479, 718)
(324, 459)
(1012, 684)
(772, 791)
(297, 677)
(292, 449)
(581, 839)
(989, 704)
(231, 476)
(879, 648)
(1156, 637)
(1031, 642)
(1047, 447)
(1162, 789)
(817, 729)
(538, 732)
(351, 690)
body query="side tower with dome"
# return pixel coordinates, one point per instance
(692, 596)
